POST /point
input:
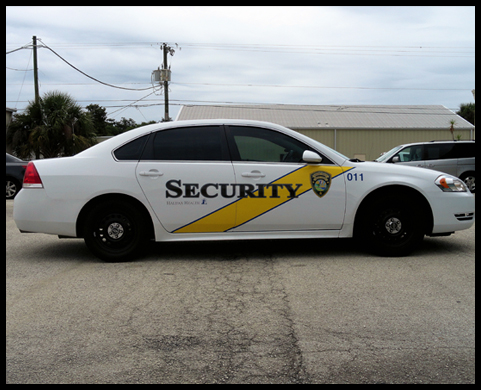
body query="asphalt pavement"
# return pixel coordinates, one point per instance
(289, 311)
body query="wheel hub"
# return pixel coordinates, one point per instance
(393, 225)
(115, 230)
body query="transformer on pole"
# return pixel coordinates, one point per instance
(163, 77)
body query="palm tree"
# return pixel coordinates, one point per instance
(55, 126)
(451, 129)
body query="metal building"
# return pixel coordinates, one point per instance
(362, 131)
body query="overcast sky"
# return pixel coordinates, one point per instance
(286, 55)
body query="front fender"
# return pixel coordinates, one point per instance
(368, 178)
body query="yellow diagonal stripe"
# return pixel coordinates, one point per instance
(246, 209)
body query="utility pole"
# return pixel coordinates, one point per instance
(35, 69)
(165, 77)
(166, 86)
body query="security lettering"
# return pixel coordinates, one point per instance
(249, 201)
(177, 189)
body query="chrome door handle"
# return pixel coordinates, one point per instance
(255, 174)
(151, 173)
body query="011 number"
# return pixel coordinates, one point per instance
(355, 177)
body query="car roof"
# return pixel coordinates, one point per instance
(438, 142)
(11, 158)
(118, 140)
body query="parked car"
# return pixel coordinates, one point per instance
(233, 180)
(454, 157)
(15, 169)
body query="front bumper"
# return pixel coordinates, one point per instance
(452, 211)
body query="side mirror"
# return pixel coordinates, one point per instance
(396, 159)
(311, 157)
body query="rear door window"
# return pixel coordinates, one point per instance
(132, 150)
(440, 151)
(196, 143)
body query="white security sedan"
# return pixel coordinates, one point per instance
(230, 180)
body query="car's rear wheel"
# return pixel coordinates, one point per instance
(391, 226)
(115, 231)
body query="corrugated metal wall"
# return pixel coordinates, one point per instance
(369, 144)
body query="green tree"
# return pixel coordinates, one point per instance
(467, 110)
(55, 126)
(114, 127)
(99, 118)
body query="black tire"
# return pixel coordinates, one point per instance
(116, 231)
(391, 226)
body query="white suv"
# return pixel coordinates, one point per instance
(453, 157)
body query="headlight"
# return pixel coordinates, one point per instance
(450, 184)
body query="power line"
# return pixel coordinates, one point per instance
(74, 67)
(18, 70)
(90, 77)
(337, 51)
(19, 48)
(309, 49)
(256, 47)
(327, 87)
(132, 104)
(286, 86)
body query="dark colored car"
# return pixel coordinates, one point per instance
(15, 169)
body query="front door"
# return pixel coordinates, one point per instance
(278, 191)
(411, 155)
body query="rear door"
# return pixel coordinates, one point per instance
(465, 153)
(184, 173)
(441, 157)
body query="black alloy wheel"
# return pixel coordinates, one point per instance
(115, 231)
(392, 226)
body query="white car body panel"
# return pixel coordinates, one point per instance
(444, 205)
(174, 212)
(70, 183)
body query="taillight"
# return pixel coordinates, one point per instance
(31, 179)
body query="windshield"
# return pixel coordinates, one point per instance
(11, 159)
(388, 155)
(331, 150)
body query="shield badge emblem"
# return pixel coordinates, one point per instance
(320, 181)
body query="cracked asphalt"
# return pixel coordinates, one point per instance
(300, 311)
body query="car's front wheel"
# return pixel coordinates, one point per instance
(391, 226)
(470, 181)
(115, 231)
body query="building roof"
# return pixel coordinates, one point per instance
(333, 116)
